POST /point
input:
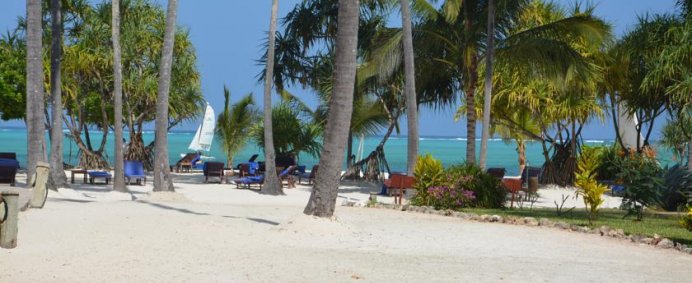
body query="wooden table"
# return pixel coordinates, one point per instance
(78, 171)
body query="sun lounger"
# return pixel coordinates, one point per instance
(93, 175)
(498, 173)
(213, 169)
(185, 163)
(310, 176)
(286, 178)
(246, 182)
(397, 184)
(135, 170)
(8, 170)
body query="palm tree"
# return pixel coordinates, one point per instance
(410, 89)
(272, 186)
(487, 95)
(162, 178)
(57, 172)
(323, 197)
(35, 117)
(234, 123)
(119, 178)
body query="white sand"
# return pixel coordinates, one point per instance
(212, 232)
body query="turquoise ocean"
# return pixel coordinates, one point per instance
(450, 150)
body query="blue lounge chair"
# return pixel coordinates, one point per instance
(93, 175)
(250, 180)
(135, 170)
(286, 177)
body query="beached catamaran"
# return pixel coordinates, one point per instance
(201, 142)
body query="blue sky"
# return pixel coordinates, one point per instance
(228, 35)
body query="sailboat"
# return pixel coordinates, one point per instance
(627, 128)
(201, 142)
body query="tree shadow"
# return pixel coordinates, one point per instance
(181, 210)
(258, 220)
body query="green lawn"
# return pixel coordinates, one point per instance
(666, 225)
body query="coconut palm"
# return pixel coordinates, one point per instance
(119, 178)
(162, 178)
(234, 124)
(35, 117)
(57, 172)
(488, 90)
(323, 197)
(410, 90)
(453, 40)
(272, 186)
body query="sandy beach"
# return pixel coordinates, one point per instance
(217, 233)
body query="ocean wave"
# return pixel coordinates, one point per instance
(594, 141)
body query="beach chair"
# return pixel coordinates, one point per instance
(8, 170)
(246, 182)
(93, 175)
(135, 170)
(286, 178)
(498, 173)
(310, 176)
(185, 163)
(526, 176)
(213, 169)
(8, 155)
(397, 184)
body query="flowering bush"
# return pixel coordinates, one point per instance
(444, 197)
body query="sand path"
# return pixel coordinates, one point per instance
(229, 235)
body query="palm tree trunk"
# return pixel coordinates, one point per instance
(487, 96)
(57, 171)
(272, 186)
(689, 155)
(119, 178)
(471, 124)
(162, 173)
(323, 196)
(521, 151)
(35, 120)
(410, 88)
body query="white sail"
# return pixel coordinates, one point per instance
(205, 132)
(627, 128)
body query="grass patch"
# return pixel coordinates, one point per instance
(666, 225)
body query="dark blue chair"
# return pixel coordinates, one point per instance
(135, 170)
(8, 170)
(93, 175)
(250, 180)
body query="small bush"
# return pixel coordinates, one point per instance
(488, 190)
(449, 198)
(428, 173)
(586, 181)
(641, 176)
(606, 161)
(677, 180)
(687, 219)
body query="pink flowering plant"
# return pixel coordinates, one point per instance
(444, 197)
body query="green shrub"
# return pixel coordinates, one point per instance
(488, 190)
(677, 180)
(687, 219)
(586, 181)
(428, 173)
(641, 177)
(606, 161)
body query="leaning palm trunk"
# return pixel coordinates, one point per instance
(119, 178)
(410, 89)
(272, 186)
(323, 196)
(487, 97)
(57, 177)
(35, 117)
(371, 167)
(162, 173)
